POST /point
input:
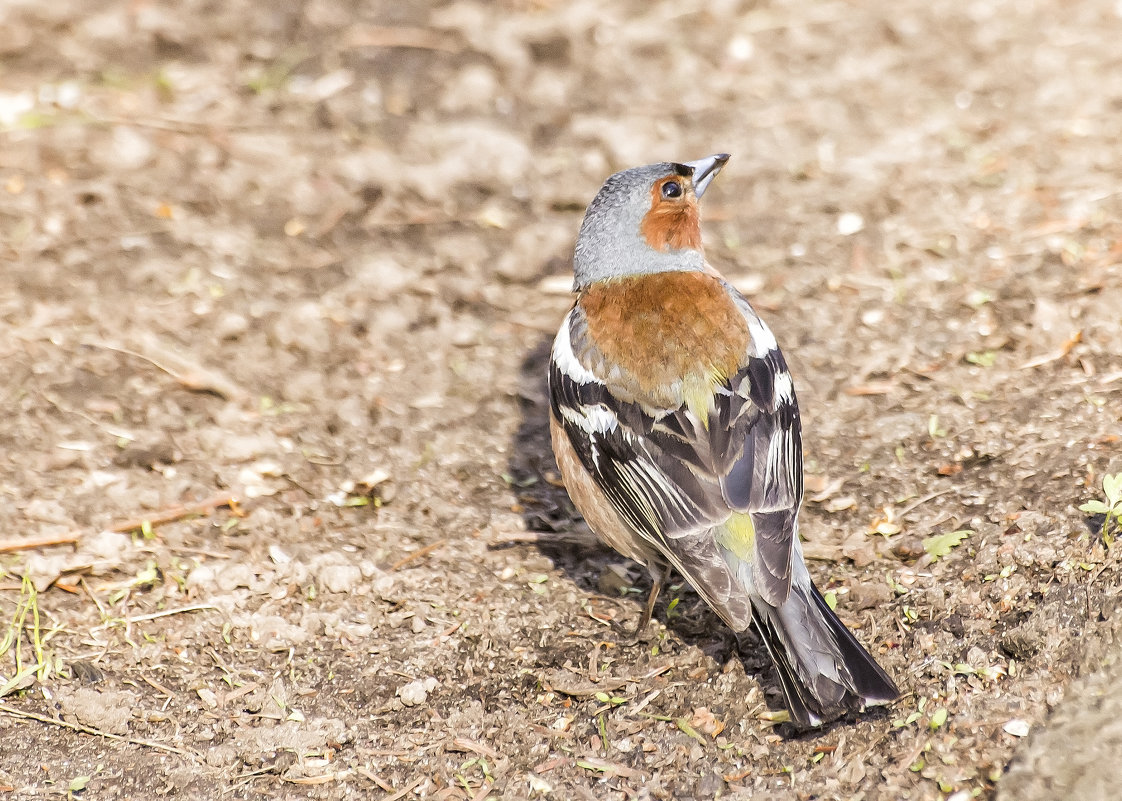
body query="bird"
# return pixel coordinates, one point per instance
(676, 431)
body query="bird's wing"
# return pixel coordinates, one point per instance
(765, 478)
(718, 497)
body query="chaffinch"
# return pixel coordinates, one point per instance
(676, 430)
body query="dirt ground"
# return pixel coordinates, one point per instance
(276, 289)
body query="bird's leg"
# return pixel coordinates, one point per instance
(658, 579)
(659, 576)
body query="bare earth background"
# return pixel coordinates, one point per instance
(294, 271)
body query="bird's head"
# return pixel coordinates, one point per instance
(645, 220)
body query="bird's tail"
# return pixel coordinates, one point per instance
(823, 669)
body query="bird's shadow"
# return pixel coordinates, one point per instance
(595, 568)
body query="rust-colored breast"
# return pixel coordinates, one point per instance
(675, 329)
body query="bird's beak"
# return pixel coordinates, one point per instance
(705, 170)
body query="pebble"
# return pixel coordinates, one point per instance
(274, 633)
(850, 223)
(472, 89)
(46, 512)
(233, 576)
(383, 586)
(201, 576)
(711, 785)
(129, 149)
(416, 692)
(43, 571)
(340, 578)
(383, 276)
(231, 326)
(221, 756)
(237, 447)
(304, 328)
(108, 710)
(369, 569)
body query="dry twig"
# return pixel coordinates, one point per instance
(1055, 355)
(27, 543)
(128, 621)
(387, 36)
(204, 506)
(191, 375)
(404, 791)
(464, 744)
(78, 727)
(416, 555)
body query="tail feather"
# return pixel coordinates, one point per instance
(822, 668)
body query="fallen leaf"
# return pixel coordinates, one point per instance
(825, 489)
(841, 504)
(940, 545)
(705, 721)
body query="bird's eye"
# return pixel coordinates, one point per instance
(671, 189)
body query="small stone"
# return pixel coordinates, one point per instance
(269, 702)
(233, 576)
(221, 756)
(868, 595)
(46, 512)
(43, 571)
(473, 88)
(108, 710)
(463, 336)
(304, 328)
(1022, 642)
(235, 447)
(369, 569)
(383, 276)
(976, 656)
(710, 785)
(274, 633)
(231, 326)
(109, 545)
(383, 586)
(201, 576)
(413, 693)
(129, 149)
(340, 578)
(352, 631)
(850, 223)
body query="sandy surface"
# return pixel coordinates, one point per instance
(295, 272)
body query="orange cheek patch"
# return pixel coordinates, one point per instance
(671, 224)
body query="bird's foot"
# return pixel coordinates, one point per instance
(630, 637)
